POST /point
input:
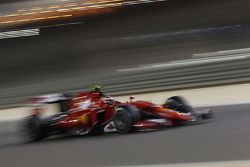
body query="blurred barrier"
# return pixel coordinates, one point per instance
(234, 52)
(19, 33)
(183, 74)
(199, 72)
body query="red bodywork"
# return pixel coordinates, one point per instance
(169, 117)
(84, 111)
(79, 117)
(90, 109)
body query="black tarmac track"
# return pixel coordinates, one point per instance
(224, 138)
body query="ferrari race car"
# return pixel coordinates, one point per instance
(143, 115)
(95, 113)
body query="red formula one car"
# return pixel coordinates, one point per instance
(93, 112)
(143, 115)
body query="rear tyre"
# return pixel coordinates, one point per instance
(32, 130)
(125, 117)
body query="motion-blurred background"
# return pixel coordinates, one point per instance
(128, 46)
(153, 49)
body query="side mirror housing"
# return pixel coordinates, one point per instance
(131, 98)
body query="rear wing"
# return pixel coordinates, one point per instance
(40, 102)
(47, 99)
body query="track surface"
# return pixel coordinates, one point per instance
(224, 138)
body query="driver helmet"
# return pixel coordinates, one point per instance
(96, 91)
(96, 88)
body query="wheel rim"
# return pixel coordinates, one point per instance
(119, 121)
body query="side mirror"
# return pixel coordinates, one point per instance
(131, 98)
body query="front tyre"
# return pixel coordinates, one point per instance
(125, 117)
(178, 103)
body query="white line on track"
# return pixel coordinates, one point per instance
(245, 163)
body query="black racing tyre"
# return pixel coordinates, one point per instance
(178, 103)
(125, 117)
(208, 114)
(32, 129)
